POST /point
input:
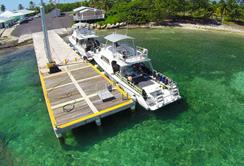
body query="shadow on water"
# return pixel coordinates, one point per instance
(171, 111)
(90, 134)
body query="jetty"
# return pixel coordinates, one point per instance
(79, 93)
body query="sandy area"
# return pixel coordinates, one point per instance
(234, 28)
(225, 28)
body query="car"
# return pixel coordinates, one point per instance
(37, 16)
(23, 21)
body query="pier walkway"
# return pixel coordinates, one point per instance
(72, 95)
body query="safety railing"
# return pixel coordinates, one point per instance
(132, 85)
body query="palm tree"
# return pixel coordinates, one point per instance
(223, 9)
(2, 8)
(107, 4)
(20, 7)
(31, 5)
(234, 9)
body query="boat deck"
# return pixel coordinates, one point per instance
(72, 94)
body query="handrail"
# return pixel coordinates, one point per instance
(136, 88)
(172, 82)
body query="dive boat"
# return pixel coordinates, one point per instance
(83, 40)
(130, 67)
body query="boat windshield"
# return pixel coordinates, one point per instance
(143, 68)
(89, 44)
(125, 47)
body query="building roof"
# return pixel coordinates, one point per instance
(117, 37)
(25, 11)
(84, 8)
(80, 8)
(3, 20)
(7, 14)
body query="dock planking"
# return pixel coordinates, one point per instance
(72, 94)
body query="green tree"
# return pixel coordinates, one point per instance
(20, 7)
(183, 7)
(159, 12)
(31, 5)
(144, 11)
(223, 9)
(234, 10)
(2, 8)
(107, 4)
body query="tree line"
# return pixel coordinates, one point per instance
(144, 11)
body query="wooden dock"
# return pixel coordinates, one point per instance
(72, 95)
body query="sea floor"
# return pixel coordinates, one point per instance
(205, 128)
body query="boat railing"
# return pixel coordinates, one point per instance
(168, 84)
(132, 85)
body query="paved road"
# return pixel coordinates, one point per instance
(35, 25)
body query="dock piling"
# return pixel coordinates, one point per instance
(98, 122)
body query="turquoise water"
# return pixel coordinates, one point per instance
(205, 128)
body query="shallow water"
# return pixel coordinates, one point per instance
(205, 128)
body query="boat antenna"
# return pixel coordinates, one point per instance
(53, 68)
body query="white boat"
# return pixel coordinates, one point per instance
(83, 40)
(130, 67)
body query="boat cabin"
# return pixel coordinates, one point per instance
(86, 38)
(123, 47)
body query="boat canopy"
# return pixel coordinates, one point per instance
(86, 37)
(85, 33)
(117, 37)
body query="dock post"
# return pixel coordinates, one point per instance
(98, 122)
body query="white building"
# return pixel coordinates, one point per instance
(9, 18)
(5, 23)
(55, 12)
(87, 13)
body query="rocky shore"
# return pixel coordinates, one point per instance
(225, 28)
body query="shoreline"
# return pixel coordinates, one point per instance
(26, 40)
(188, 26)
(219, 28)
